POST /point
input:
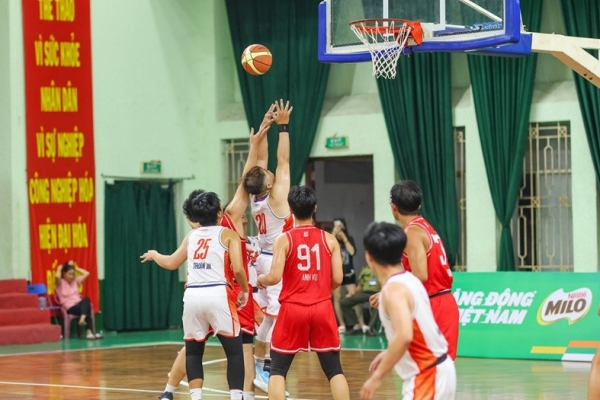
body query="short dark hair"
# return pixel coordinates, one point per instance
(302, 201)
(254, 180)
(66, 267)
(407, 197)
(202, 207)
(385, 242)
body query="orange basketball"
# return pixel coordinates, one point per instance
(256, 59)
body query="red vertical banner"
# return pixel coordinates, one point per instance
(60, 138)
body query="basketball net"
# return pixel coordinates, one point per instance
(385, 40)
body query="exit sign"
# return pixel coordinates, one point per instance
(151, 167)
(336, 142)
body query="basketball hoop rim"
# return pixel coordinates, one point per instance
(371, 25)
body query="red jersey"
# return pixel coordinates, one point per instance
(307, 272)
(226, 222)
(439, 275)
(246, 314)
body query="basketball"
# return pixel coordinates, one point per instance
(256, 59)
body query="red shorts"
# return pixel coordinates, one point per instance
(304, 328)
(246, 314)
(445, 313)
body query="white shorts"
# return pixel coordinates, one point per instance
(209, 310)
(444, 387)
(268, 299)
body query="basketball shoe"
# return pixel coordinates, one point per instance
(166, 396)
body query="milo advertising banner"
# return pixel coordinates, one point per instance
(551, 316)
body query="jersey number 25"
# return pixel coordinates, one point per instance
(202, 249)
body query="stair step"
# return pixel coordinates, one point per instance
(28, 334)
(13, 286)
(18, 300)
(23, 316)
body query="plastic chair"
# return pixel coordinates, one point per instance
(68, 318)
(44, 301)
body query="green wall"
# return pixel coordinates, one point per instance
(165, 88)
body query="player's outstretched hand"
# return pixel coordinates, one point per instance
(242, 300)
(256, 138)
(268, 118)
(374, 301)
(148, 256)
(282, 112)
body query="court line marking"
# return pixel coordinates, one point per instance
(185, 383)
(78, 387)
(147, 344)
(109, 347)
(217, 392)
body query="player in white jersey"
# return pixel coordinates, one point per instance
(417, 349)
(270, 210)
(269, 222)
(214, 259)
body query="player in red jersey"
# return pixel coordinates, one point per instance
(425, 257)
(308, 261)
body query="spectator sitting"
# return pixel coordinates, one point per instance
(70, 299)
(367, 286)
(347, 249)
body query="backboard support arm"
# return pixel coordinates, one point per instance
(570, 51)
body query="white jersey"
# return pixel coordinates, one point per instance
(428, 343)
(269, 225)
(208, 258)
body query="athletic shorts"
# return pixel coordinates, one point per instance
(304, 328)
(268, 298)
(209, 310)
(436, 383)
(445, 313)
(246, 314)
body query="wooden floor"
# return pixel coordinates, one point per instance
(140, 372)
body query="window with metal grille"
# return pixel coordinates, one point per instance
(459, 167)
(236, 153)
(542, 225)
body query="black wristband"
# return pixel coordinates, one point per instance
(284, 128)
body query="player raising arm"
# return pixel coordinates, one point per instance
(268, 201)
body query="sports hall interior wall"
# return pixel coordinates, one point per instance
(165, 88)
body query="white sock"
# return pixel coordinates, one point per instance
(260, 361)
(236, 394)
(170, 388)
(196, 394)
(248, 395)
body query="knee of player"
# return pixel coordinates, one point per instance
(330, 364)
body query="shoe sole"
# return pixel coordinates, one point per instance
(261, 386)
(265, 388)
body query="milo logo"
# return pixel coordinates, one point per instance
(559, 305)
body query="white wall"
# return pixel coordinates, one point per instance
(165, 88)
(14, 213)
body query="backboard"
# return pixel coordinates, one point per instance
(448, 25)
